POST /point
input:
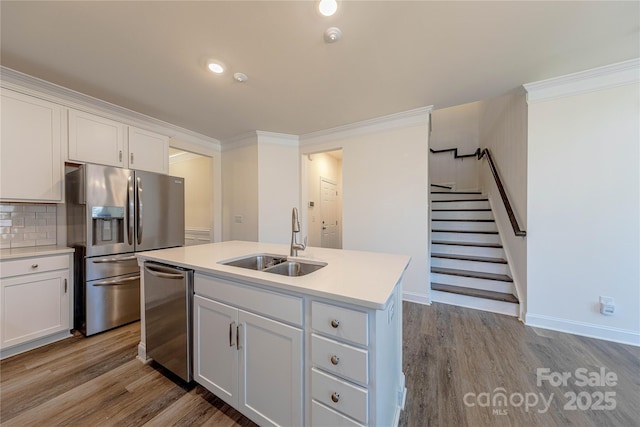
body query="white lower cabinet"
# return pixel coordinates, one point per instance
(250, 361)
(297, 360)
(34, 300)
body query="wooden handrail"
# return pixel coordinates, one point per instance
(479, 154)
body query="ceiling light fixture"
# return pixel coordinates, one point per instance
(215, 66)
(327, 7)
(332, 35)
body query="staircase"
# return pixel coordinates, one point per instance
(468, 263)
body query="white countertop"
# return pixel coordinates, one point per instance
(32, 251)
(355, 277)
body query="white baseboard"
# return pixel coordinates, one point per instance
(416, 297)
(623, 336)
(142, 353)
(21, 348)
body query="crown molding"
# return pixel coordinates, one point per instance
(239, 141)
(608, 76)
(33, 86)
(278, 138)
(418, 116)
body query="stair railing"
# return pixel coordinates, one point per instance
(479, 154)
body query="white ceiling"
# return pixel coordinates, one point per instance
(394, 56)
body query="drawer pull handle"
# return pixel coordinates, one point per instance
(335, 397)
(34, 265)
(335, 359)
(335, 323)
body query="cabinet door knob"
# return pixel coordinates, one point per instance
(34, 265)
(335, 359)
(335, 397)
(335, 323)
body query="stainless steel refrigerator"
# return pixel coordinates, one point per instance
(111, 214)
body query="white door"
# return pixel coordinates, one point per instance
(329, 214)
(215, 348)
(270, 371)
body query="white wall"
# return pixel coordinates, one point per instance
(278, 186)
(240, 190)
(584, 205)
(455, 127)
(384, 179)
(198, 190)
(503, 130)
(322, 166)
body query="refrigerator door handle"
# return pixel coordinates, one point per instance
(130, 210)
(164, 272)
(139, 198)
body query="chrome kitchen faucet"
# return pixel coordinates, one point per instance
(295, 228)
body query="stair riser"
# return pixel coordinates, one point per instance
(467, 237)
(471, 282)
(502, 307)
(473, 204)
(485, 267)
(461, 215)
(450, 196)
(468, 250)
(464, 226)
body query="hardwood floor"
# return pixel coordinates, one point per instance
(452, 355)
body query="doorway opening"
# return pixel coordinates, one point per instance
(197, 171)
(324, 199)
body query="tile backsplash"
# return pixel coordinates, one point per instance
(27, 224)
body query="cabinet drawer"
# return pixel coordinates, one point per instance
(33, 265)
(351, 400)
(339, 322)
(321, 416)
(271, 304)
(341, 359)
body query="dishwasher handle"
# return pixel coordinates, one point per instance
(164, 272)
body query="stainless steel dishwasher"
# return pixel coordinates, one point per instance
(168, 296)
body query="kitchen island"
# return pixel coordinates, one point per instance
(324, 348)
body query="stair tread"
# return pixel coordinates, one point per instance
(464, 231)
(479, 293)
(459, 200)
(459, 210)
(463, 220)
(474, 274)
(478, 244)
(456, 192)
(470, 258)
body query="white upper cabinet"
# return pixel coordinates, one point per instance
(148, 151)
(95, 139)
(30, 147)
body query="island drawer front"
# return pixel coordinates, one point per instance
(340, 359)
(339, 322)
(271, 304)
(34, 265)
(351, 400)
(321, 416)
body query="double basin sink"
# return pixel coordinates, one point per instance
(276, 264)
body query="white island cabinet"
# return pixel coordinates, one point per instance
(35, 297)
(323, 349)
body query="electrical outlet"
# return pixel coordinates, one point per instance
(607, 306)
(238, 219)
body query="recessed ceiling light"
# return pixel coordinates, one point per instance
(215, 67)
(328, 7)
